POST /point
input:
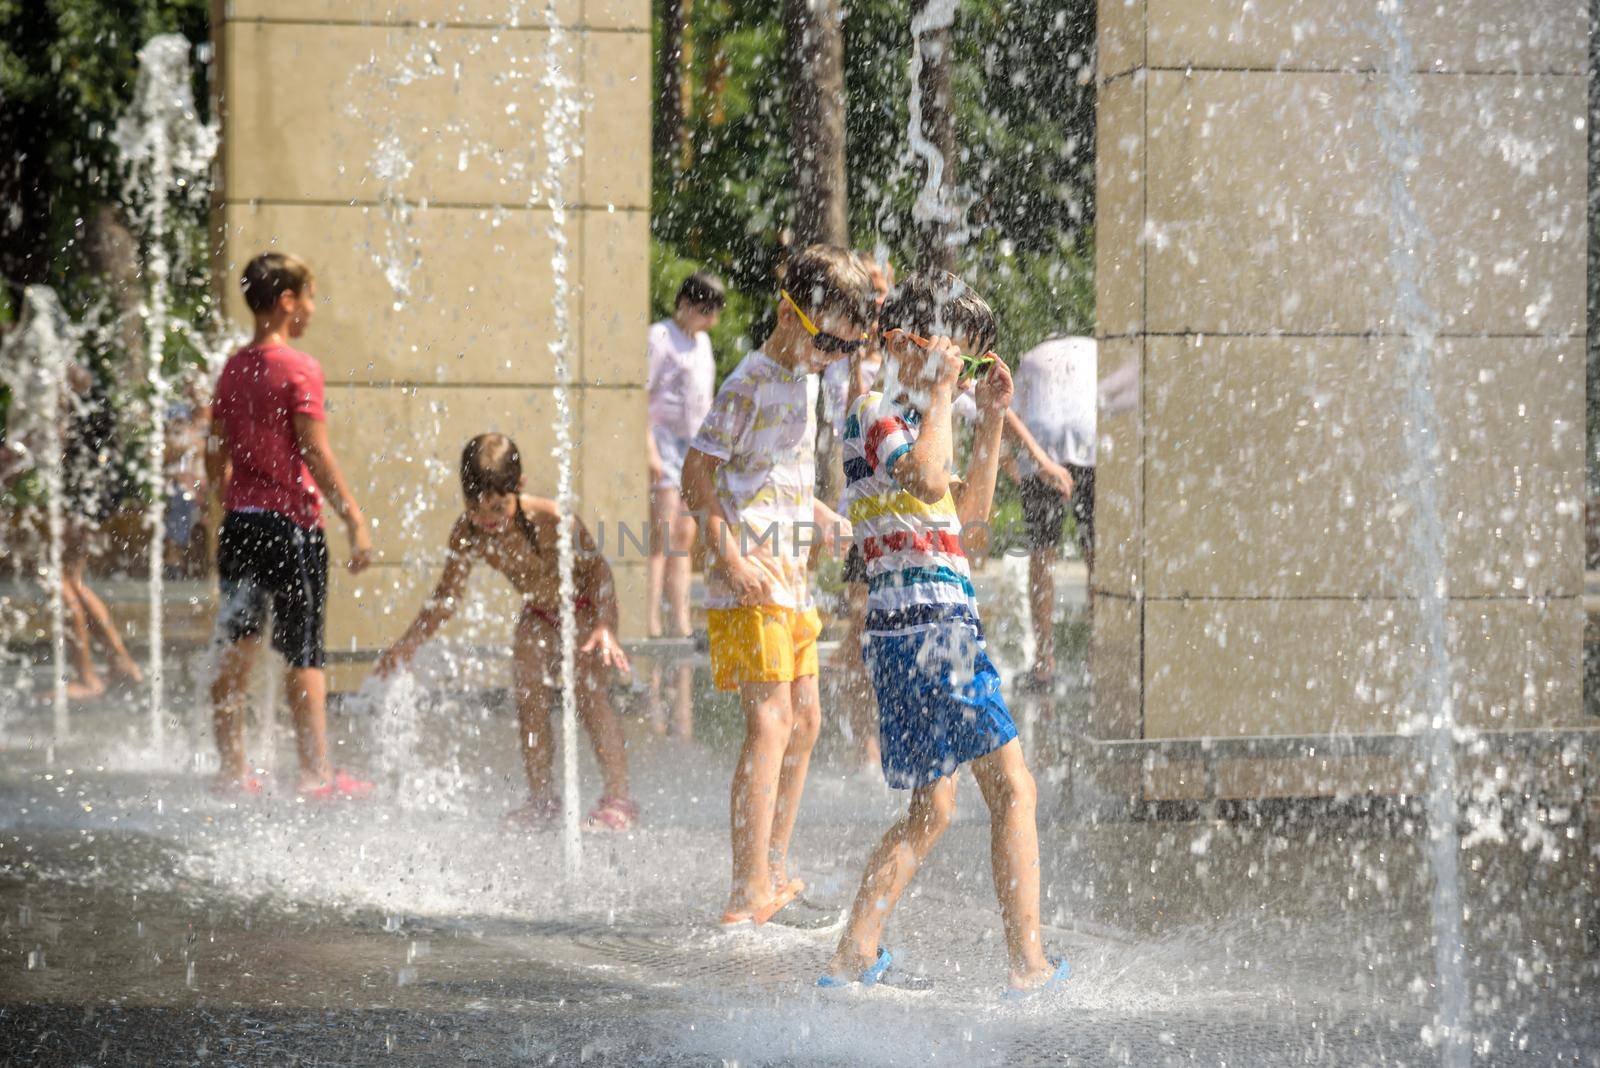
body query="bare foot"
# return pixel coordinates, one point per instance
(537, 813)
(127, 670)
(848, 962)
(228, 784)
(85, 690)
(1032, 976)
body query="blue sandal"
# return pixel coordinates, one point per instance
(1059, 977)
(870, 977)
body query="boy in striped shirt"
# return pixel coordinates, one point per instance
(938, 693)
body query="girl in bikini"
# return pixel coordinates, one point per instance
(516, 535)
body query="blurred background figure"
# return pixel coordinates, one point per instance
(88, 501)
(681, 380)
(1055, 399)
(188, 421)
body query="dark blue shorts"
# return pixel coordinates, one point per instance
(939, 703)
(265, 559)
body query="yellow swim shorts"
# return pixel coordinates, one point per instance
(764, 643)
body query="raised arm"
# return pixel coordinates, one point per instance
(975, 496)
(926, 468)
(311, 435)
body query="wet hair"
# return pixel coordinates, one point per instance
(703, 291)
(931, 303)
(490, 464)
(269, 276)
(826, 279)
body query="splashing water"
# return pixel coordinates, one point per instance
(560, 125)
(932, 206)
(167, 152)
(1418, 325)
(33, 365)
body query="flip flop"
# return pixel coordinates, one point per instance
(870, 977)
(1057, 979)
(759, 916)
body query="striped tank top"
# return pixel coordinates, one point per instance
(917, 575)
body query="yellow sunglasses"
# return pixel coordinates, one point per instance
(821, 338)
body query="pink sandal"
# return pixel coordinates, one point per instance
(342, 787)
(613, 815)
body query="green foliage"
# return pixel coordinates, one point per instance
(1024, 106)
(67, 69)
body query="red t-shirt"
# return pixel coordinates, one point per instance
(261, 390)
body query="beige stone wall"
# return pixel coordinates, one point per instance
(311, 88)
(1250, 571)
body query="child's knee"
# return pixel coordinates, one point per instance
(1015, 789)
(808, 721)
(933, 809)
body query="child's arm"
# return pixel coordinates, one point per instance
(1049, 470)
(440, 605)
(592, 577)
(217, 460)
(925, 470)
(652, 456)
(311, 435)
(750, 584)
(975, 496)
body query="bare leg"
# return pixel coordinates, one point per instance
(307, 690)
(683, 702)
(227, 701)
(681, 529)
(768, 725)
(677, 586)
(663, 506)
(1009, 792)
(1041, 604)
(88, 684)
(605, 729)
(807, 706)
(104, 628)
(535, 650)
(889, 871)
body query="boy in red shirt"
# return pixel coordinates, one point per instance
(269, 447)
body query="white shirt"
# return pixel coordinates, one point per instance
(762, 425)
(1055, 399)
(682, 377)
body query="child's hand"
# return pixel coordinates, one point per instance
(935, 363)
(1057, 477)
(836, 536)
(750, 582)
(360, 547)
(995, 388)
(393, 659)
(605, 644)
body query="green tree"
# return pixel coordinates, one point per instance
(67, 68)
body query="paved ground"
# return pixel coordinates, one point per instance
(143, 921)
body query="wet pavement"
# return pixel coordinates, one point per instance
(143, 921)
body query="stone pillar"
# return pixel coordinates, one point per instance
(1250, 570)
(400, 141)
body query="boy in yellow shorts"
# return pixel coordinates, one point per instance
(750, 472)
